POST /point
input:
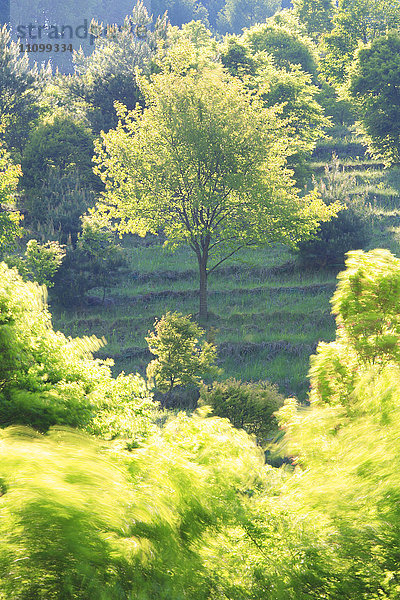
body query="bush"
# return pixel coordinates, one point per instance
(286, 46)
(182, 360)
(96, 262)
(43, 260)
(64, 147)
(349, 230)
(250, 406)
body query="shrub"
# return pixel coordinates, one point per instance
(181, 359)
(95, 262)
(62, 143)
(250, 406)
(43, 260)
(349, 230)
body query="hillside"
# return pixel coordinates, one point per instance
(267, 313)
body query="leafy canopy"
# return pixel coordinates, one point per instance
(355, 21)
(203, 162)
(374, 85)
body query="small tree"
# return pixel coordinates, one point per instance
(55, 210)
(238, 14)
(43, 260)
(355, 21)
(182, 358)
(109, 72)
(284, 43)
(315, 14)
(64, 145)
(205, 163)
(20, 91)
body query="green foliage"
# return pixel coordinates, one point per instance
(125, 412)
(43, 260)
(346, 444)
(90, 523)
(366, 302)
(46, 378)
(366, 307)
(250, 406)
(287, 46)
(316, 15)
(10, 229)
(95, 262)
(64, 144)
(20, 92)
(108, 74)
(63, 518)
(180, 12)
(287, 88)
(335, 105)
(57, 208)
(355, 21)
(181, 358)
(374, 87)
(349, 230)
(205, 163)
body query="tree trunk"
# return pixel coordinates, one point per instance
(203, 313)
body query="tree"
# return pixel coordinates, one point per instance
(205, 164)
(355, 21)
(20, 92)
(290, 89)
(55, 210)
(284, 43)
(62, 143)
(180, 11)
(316, 15)
(108, 74)
(43, 260)
(57, 177)
(181, 358)
(238, 14)
(374, 86)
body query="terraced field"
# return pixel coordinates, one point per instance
(267, 314)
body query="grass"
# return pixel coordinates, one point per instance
(266, 314)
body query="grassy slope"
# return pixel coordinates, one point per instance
(266, 314)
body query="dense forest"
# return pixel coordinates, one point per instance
(200, 300)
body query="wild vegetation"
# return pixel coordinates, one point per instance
(199, 305)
